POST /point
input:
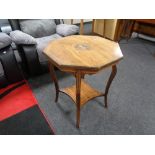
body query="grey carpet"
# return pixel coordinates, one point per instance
(131, 97)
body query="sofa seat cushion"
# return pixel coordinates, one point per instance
(38, 27)
(42, 43)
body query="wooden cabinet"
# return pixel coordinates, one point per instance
(98, 26)
(142, 26)
(115, 29)
(108, 28)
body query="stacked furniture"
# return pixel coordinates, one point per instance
(145, 28)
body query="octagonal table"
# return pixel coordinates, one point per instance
(82, 55)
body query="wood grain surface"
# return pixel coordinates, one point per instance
(79, 52)
(87, 92)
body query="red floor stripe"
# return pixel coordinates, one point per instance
(17, 101)
(8, 87)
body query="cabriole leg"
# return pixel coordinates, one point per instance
(54, 78)
(112, 76)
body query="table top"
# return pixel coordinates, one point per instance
(79, 52)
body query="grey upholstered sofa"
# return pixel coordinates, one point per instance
(41, 32)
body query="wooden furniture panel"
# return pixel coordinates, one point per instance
(87, 92)
(99, 26)
(107, 28)
(145, 26)
(127, 28)
(110, 28)
(146, 21)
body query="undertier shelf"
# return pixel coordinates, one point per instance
(87, 92)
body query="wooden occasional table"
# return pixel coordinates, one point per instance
(82, 55)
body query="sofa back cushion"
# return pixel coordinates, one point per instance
(38, 27)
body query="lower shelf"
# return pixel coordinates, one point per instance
(87, 92)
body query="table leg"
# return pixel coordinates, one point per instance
(54, 78)
(112, 75)
(78, 89)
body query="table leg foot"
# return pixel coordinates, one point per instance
(112, 76)
(56, 97)
(105, 102)
(78, 118)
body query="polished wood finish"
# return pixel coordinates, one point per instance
(78, 97)
(112, 76)
(87, 92)
(143, 26)
(87, 53)
(146, 21)
(81, 27)
(93, 24)
(125, 28)
(107, 28)
(99, 27)
(82, 55)
(54, 78)
(118, 31)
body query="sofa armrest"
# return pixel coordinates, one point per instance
(32, 60)
(66, 29)
(11, 69)
(21, 38)
(3, 80)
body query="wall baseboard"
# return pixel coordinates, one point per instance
(143, 36)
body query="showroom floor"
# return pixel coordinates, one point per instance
(131, 98)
